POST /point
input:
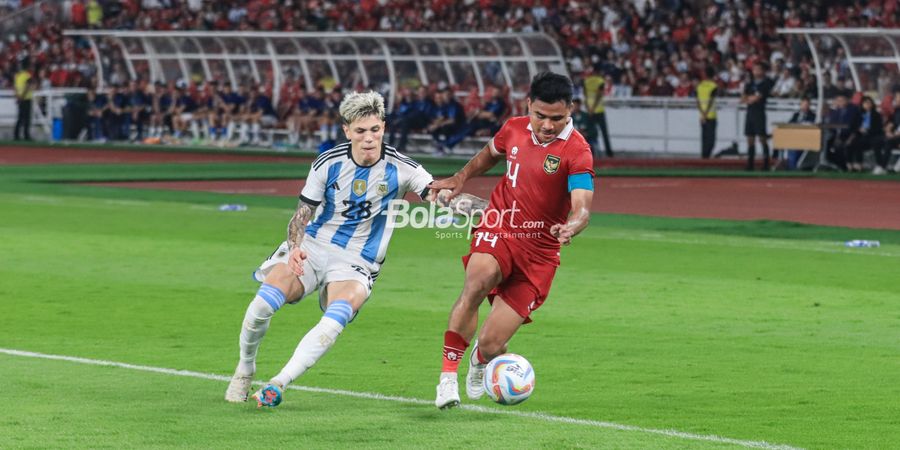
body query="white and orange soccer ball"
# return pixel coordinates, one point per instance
(509, 379)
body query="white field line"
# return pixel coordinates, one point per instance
(416, 401)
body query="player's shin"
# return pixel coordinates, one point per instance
(316, 342)
(454, 349)
(256, 321)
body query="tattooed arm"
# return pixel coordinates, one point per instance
(462, 203)
(296, 231)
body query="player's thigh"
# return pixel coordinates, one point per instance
(483, 273)
(499, 327)
(281, 277)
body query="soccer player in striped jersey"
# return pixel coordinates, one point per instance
(336, 243)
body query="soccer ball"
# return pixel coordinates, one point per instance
(509, 379)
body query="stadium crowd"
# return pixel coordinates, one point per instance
(641, 48)
(644, 47)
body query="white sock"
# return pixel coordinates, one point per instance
(316, 342)
(254, 128)
(256, 322)
(229, 130)
(243, 132)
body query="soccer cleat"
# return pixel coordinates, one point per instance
(447, 393)
(238, 389)
(475, 377)
(269, 396)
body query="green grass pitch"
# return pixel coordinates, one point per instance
(755, 332)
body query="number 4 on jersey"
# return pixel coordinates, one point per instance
(513, 175)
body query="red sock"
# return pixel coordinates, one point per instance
(454, 349)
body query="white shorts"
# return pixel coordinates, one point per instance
(187, 117)
(324, 264)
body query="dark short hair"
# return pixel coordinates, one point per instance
(550, 87)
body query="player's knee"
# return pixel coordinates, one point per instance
(285, 280)
(478, 284)
(491, 347)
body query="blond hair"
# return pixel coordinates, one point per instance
(357, 105)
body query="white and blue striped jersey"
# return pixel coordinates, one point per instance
(351, 198)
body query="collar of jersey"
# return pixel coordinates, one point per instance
(350, 155)
(564, 134)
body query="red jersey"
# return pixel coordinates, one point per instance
(534, 194)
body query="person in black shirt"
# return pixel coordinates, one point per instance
(804, 115)
(756, 93)
(891, 139)
(845, 115)
(870, 134)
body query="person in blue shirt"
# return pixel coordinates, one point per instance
(330, 123)
(98, 112)
(163, 105)
(121, 113)
(416, 118)
(233, 103)
(260, 112)
(401, 109)
(312, 110)
(183, 113)
(141, 107)
(449, 120)
(486, 119)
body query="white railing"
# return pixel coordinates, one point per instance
(671, 126)
(47, 104)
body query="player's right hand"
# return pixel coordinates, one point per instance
(295, 261)
(454, 184)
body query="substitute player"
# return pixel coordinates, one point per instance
(542, 202)
(339, 253)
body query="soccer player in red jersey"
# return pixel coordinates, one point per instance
(542, 202)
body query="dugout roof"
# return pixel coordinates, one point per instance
(383, 61)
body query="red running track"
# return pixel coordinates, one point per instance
(847, 203)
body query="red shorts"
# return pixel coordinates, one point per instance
(527, 273)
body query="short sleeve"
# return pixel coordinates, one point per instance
(581, 170)
(582, 161)
(418, 181)
(314, 190)
(500, 140)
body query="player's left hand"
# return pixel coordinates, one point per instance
(295, 261)
(563, 233)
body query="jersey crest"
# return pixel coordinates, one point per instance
(551, 164)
